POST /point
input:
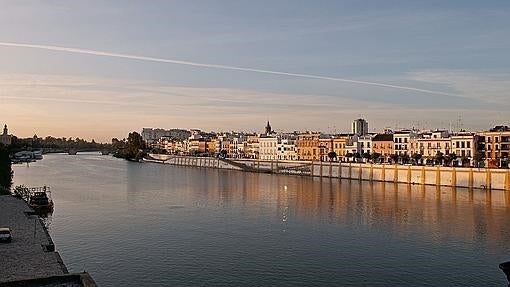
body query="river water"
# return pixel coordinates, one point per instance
(144, 224)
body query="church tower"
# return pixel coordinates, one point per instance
(269, 130)
(6, 130)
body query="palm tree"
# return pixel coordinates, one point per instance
(416, 157)
(439, 158)
(450, 158)
(366, 155)
(332, 155)
(376, 156)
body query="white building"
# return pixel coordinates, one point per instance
(464, 145)
(268, 147)
(365, 144)
(286, 148)
(434, 142)
(402, 141)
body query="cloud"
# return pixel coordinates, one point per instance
(491, 88)
(104, 108)
(221, 67)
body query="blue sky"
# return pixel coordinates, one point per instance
(455, 47)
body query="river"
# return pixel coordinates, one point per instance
(145, 224)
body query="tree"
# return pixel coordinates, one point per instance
(405, 158)
(366, 155)
(133, 149)
(332, 155)
(479, 158)
(376, 156)
(416, 157)
(465, 161)
(449, 158)
(223, 153)
(394, 158)
(439, 158)
(5, 171)
(349, 155)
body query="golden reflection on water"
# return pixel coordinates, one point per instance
(436, 212)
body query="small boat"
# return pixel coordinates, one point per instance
(40, 201)
(105, 152)
(37, 154)
(72, 152)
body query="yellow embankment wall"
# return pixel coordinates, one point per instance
(429, 175)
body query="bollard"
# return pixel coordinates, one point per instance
(506, 268)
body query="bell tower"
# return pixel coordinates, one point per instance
(269, 130)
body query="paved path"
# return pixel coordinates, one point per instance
(26, 256)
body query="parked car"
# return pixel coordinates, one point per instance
(5, 235)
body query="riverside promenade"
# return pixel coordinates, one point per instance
(478, 178)
(30, 259)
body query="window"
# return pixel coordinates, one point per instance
(468, 144)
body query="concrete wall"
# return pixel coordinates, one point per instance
(428, 175)
(443, 176)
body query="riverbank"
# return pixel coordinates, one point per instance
(30, 259)
(480, 178)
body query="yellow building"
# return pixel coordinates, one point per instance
(308, 146)
(339, 143)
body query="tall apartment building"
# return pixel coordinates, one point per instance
(360, 127)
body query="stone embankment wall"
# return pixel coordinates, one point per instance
(427, 175)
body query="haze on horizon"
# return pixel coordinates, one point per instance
(457, 49)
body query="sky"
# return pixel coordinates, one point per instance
(449, 60)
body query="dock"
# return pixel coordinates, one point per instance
(30, 259)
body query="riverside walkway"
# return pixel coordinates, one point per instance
(30, 259)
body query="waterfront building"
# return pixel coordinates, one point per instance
(211, 146)
(360, 127)
(236, 147)
(150, 135)
(365, 144)
(402, 140)
(286, 147)
(352, 146)
(308, 146)
(495, 144)
(325, 146)
(5, 138)
(383, 145)
(252, 146)
(435, 142)
(464, 145)
(339, 143)
(268, 147)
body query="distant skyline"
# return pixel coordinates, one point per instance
(457, 50)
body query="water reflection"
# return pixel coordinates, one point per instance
(161, 225)
(435, 212)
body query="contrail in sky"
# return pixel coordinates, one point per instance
(222, 67)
